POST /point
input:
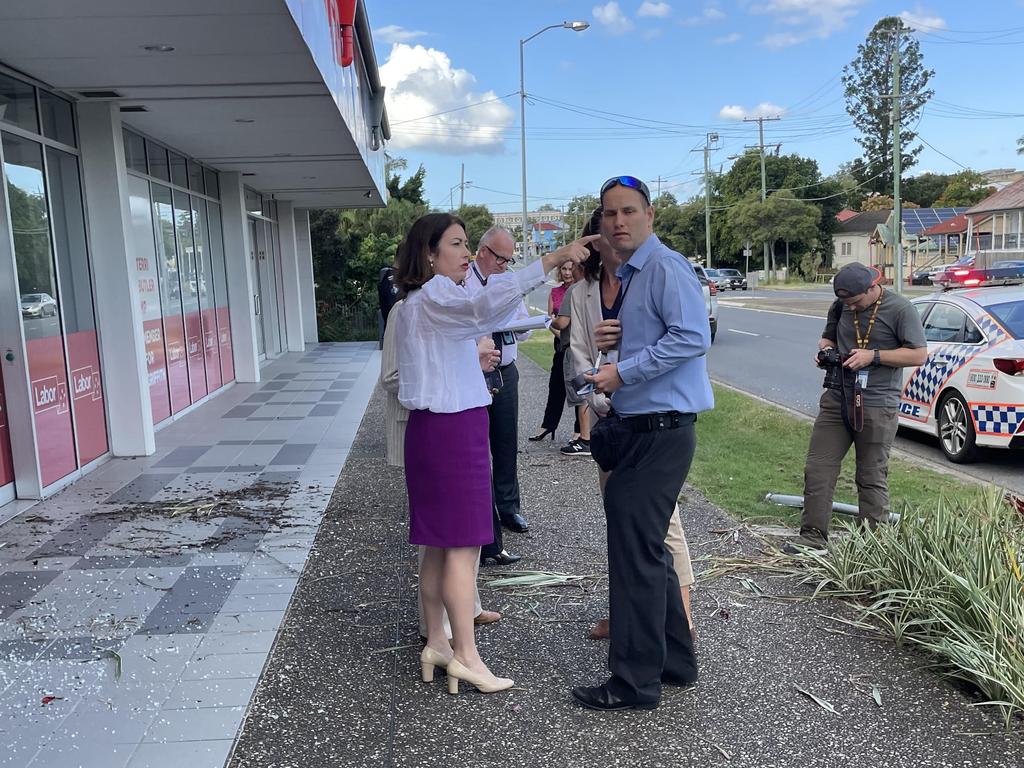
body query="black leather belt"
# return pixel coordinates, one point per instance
(654, 422)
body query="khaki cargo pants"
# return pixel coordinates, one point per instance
(830, 442)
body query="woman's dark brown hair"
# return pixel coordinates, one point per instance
(592, 266)
(412, 266)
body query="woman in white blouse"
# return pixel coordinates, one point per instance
(447, 459)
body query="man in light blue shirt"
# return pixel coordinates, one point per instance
(657, 378)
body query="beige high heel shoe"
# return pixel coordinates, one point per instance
(483, 683)
(429, 658)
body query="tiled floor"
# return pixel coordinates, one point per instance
(137, 607)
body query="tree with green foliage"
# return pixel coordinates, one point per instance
(578, 211)
(478, 219)
(965, 189)
(868, 79)
(780, 217)
(351, 247)
(925, 188)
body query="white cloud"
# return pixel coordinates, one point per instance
(807, 19)
(611, 17)
(921, 20)
(735, 37)
(422, 81)
(736, 112)
(657, 10)
(708, 15)
(396, 34)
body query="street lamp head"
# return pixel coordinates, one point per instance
(576, 26)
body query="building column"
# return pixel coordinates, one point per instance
(242, 307)
(290, 277)
(307, 286)
(118, 315)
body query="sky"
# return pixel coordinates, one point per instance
(638, 91)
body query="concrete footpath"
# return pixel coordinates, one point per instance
(342, 685)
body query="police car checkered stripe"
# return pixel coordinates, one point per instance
(992, 330)
(939, 366)
(997, 419)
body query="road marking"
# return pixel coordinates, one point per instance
(745, 333)
(775, 312)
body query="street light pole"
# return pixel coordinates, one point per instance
(575, 26)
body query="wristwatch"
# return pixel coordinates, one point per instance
(878, 358)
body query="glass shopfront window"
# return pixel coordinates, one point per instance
(77, 305)
(188, 274)
(179, 256)
(170, 297)
(207, 303)
(220, 285)
(18, 104)
(147, 279)
(40, 310)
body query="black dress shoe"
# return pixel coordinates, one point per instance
(599, 697)
(502, 558)
(515, 523)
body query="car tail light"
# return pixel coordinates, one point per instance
(1009, 366)
(713, 287)
(972, 281)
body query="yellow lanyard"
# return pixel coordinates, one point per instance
(862, 343)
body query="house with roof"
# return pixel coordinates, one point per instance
(949, 237)
(868, 238)
(995, 224)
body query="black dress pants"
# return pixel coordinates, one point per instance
(556, 390)
(504, 439)
(650, 636)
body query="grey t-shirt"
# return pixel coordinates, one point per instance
(897, 325)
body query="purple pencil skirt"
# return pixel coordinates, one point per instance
(448, 476)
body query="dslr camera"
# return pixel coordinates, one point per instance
(832, 361)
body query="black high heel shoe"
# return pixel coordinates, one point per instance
(542, 435)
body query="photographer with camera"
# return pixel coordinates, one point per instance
(870, 335)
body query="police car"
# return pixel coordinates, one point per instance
(970, 390)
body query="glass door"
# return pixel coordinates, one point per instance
(254, 263)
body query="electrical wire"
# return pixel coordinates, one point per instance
(456, 109)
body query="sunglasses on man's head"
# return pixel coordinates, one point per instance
(632, 182)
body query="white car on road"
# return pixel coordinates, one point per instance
(710, 298)
(970, 390)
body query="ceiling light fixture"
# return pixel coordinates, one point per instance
(158, 48)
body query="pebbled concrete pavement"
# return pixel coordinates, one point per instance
(342, 686)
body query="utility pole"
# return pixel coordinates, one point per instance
(897, 161)
(711, 139)
(659, 189)
(764, 181)
(462, 186)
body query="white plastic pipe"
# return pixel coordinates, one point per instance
(783, 500)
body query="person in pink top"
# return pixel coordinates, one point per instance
(568, 275)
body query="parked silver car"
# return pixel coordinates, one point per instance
(38, 305)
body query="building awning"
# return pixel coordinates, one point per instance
(253, 87)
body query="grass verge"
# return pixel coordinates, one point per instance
(747, 448)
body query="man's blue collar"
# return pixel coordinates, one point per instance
(640, 255)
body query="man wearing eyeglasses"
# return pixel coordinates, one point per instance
(658, 382)
(493, 256)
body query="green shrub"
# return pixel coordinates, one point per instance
(947, 580)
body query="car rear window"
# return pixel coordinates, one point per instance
(1011, 317)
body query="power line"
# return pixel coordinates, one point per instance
(456, 109)
(942, 153)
